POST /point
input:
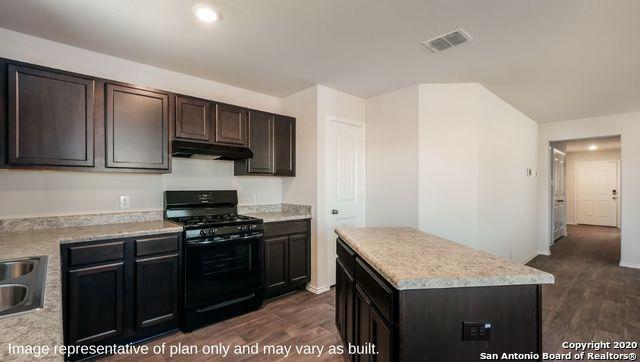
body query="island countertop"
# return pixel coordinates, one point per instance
(411, 259)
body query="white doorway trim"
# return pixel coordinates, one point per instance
(327, 197)
(618, 183)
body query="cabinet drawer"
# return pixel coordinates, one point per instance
(157, 245)
(376, 289)
(96, 253)
(347, 256)
(286, 228)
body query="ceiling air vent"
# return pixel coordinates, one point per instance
(446, 41)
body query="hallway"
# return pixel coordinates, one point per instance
(593, 298)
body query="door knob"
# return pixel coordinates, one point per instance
(334, 212)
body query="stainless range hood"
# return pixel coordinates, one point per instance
(209, 151)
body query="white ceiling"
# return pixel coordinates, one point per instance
(551, 59)
(604, 143)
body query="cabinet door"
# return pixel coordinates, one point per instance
(381, 337)
(95, 303)
(157, 290)
(50, 118)
(363, 323)
(137, 124)
(261, 142)
(299, 258)
(285, 146)
(276, 265)
(231, 125)
(192, 119)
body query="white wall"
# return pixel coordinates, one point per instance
(35, 193)
(448, 161)
(302, 189)
(465, 153)
(570, 162)
(474, 152)
(507, 195)
(392, 158)
(628, 127)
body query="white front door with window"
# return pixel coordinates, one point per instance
(597, 193)
(345, 180)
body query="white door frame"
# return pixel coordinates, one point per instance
(552, 191)
(331, 118)
(619, 189)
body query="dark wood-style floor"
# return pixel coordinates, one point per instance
(302, 318)
(593, 299)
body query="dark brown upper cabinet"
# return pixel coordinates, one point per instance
(137, 127)
(231, 125)
(51, 117)
(272, 141)
(260, 143)
(193, 119)
(285, 146)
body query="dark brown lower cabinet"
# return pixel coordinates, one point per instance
(276, 265)
(97, 296)
(120, 291)
(427, 324)
(157, 290)
(287, 257)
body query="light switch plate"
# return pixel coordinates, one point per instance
(125, 202)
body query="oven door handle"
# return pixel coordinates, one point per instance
(203, 243)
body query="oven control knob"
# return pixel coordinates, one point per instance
(203, 233)
(211, 231)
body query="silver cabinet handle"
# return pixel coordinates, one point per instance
(334, 212)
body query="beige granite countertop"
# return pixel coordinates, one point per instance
(411, 259)
(275, 216)
(44, 327)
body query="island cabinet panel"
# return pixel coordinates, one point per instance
(427, 324)
(193, 119)
(345, 306)
(287, 260)
(437, 316)
(51, 117)
(137, 127)
(284, 133)
(231, 125)
(112, 296)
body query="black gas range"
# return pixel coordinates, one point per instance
(223, 256)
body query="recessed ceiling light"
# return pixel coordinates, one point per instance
(593, 147)
(205, 13)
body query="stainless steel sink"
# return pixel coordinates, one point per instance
(11, 296)
(22, 284)
(15, 269)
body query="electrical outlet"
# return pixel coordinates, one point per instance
(476, 331)
(125, 202)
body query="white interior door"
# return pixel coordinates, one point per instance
(597, 193)
(345, 172)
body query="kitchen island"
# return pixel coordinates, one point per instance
(418, 297)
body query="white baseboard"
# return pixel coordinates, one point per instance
(530, 257)
(544, 252)
(626, 264)
(318, 290)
